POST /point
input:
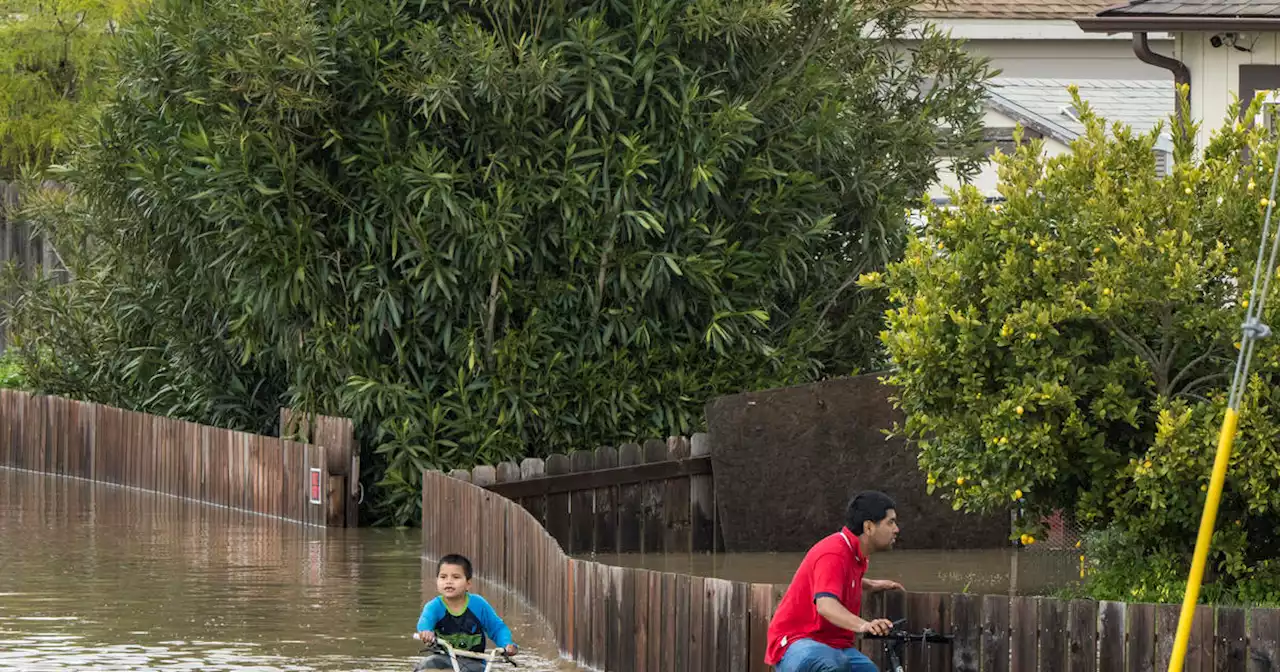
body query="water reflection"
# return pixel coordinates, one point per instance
(104, 578)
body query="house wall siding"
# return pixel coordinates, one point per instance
(1070, 59)
(1215, 73)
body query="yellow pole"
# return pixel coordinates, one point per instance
(1216, 482)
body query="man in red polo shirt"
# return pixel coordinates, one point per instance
(814, 626)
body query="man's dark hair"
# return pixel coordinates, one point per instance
(871, 505)
(455, 559)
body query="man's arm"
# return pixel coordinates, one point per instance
(830, 609)
(877, 585)
(830, 575)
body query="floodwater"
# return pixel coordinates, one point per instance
(97, 577)
(983, 572)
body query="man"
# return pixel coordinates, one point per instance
(814, 626)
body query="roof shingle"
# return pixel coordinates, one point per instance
(1012, 9)
(1206, 8)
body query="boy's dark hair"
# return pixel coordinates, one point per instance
(871, 505)
(455, 559)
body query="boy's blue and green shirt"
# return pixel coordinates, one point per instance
(468, 628)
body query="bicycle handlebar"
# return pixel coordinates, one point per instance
(927, 635)
(442, 647)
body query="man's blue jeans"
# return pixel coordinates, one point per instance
(806, 655)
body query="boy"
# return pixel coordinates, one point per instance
(458, 616)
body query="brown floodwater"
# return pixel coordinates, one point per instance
(98, 577)
(983, 572)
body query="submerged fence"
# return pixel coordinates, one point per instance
(621, 619)
(260, 474)
(656, 497)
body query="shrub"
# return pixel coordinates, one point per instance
(493, 229)
(1072, 348)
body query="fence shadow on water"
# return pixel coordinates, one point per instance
(622, 619)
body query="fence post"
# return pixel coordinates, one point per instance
(702, 501)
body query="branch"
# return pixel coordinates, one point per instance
(1186, 370)
(835, 296)
(1137, 346)
(493, 311)
(1203, 380)
(604, 263)
(1168, 348)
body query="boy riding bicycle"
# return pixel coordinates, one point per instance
(458, 616)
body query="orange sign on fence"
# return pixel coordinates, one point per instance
(315, 486)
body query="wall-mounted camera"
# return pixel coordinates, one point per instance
(1231, 39)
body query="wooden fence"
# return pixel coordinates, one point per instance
(658, 497)
(620, 619)
(260, 474)
(338, 437)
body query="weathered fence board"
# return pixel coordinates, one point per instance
(1229, 642)
(1264, 640)
(1025, 639)
(966, 627)
(257, 474)
(581, 506)
(1082, 653)
(1053, 625)
(1111, 639)
(1141, 635)
(652, 496)
(995, 634)
(629, 498)
(558, 503)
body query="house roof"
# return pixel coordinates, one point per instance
(1184, 16)
(1011, 9)
(1045, 104)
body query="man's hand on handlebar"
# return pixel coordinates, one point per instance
(879, 626)
(427, 637)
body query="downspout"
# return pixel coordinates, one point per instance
(1181, 74)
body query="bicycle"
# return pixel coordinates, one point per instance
(461, 660)
(897, 639)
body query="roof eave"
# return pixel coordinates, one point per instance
(1022, 115)
(1175, 24)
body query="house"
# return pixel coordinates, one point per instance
(1044, 109)
(1221, 48)
(1039, 49)
(1040, 39)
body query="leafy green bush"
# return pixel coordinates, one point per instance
(1072, 349)
(11, 371)
(492, 229)
(52, 55)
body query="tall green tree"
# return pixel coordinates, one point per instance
(491, 229)
(52, 54)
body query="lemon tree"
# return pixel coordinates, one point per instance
(1071, 349)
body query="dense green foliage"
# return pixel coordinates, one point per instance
(490, 229)
(11, 376)
(52, 54)
(1072, 348)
